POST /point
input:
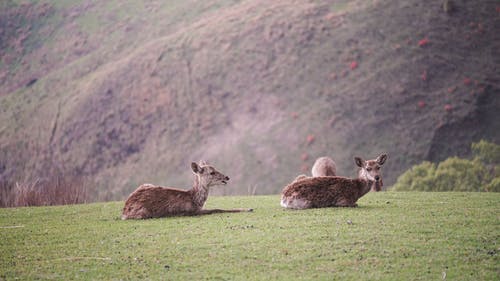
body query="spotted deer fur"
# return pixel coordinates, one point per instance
(320, 192)
(150, 201)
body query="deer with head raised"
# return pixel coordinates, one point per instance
(320, 192)
(150, 201)
(324, 167)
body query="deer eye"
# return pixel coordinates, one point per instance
(369, 169)
(212, 173)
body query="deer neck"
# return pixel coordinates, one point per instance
(367, 183)
(199, 192)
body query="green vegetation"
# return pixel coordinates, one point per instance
(486, 152)
(456, 174)
(390, 236)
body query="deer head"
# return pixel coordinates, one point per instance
(370, 170)
(208, 175)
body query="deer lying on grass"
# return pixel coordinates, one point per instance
(324, 167)
(149, 201)
(320, 192)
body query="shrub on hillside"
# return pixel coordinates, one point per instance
(486, 152)
(417, 178)
(494, 185)
(456, 174)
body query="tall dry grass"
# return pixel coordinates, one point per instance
(54, 190)
(30, 175)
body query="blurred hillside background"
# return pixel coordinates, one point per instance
(119, 93)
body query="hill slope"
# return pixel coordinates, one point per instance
(132, 92)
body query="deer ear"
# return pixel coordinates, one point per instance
(359, 161)
(202, 163)
(196, 168)
(381, 159)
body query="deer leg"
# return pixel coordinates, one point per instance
(346, 203)
(216, 211)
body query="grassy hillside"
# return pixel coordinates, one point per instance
(132, 92)
(390, 236)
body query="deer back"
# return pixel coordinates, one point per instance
(150, 201)
(325, 191)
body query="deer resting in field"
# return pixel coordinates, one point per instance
(324, 167)
(321, 192)
(149, 201)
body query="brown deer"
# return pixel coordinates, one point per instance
(320, 192)
(324, 167)
(149, 201)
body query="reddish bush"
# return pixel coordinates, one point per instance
(354, 65)
(448, 107)
(421, 104)
(423, 76)
(423, 42)
(467, 81)
(310, 139)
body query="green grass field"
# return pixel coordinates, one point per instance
(390, 236)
